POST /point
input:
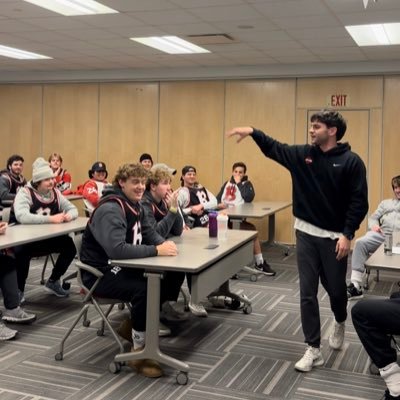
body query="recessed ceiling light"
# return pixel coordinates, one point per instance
(20, 54)
(74, 7)
(375, 34)
(171, 44)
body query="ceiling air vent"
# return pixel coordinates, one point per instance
(212, 38)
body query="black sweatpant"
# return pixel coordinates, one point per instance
(8, 282)
(316, 259)
(63, 245)
(374, 322)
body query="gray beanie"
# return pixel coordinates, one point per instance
(41, 170)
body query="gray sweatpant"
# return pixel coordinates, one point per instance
(363, 248)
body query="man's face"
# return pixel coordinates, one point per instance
(46, 185)
(396, 191)
(319, 133)
(17, 167)
(99, 175)
(147, 164)
(189, 178)
(55, 163)
(238, 173)
(161, 190)
(133, 188)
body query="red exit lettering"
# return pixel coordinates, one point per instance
(338, 100)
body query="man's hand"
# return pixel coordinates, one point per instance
(377, 228)
(57, 218)
(67, 217)
(3, 227)
(342, 247)
(242, 132)
(197, 209)
(167, 248)
(171, 199)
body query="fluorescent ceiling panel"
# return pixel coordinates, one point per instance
(20, 54)
(74, 7)
(171, 44)
(375, 34)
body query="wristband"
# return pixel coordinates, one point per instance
(174, 210)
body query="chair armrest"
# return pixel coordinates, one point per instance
(88, 268)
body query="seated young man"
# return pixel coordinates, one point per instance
(40, 203)
(385, 220)
(236, 191)
(146, 160)
(61, 175)
(375, 321)
(93, 188)
(11, 179)
(195, 201)
(8, 284)
(118, 229)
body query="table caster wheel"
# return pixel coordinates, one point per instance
(182, 378)
(42, 282)
(253, 277)
(247, 309)
(86, 323)
(58, 356)
(121, 306)
(114, 367)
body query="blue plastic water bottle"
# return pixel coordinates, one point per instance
(212, 225)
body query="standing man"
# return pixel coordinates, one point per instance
(11, 179)
(330, 199)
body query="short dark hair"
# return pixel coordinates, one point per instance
(396, 181)
(13, 158)
(239, 164)
(331, 118)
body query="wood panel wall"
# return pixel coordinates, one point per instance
(184, 123)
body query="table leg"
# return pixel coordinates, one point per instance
(152, 348)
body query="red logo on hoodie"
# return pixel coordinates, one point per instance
(308, 160)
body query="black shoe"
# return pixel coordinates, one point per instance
(353, 293)
(388, 396)
(265, 268)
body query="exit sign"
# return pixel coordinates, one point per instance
(338, 100)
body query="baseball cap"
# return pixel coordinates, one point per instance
(170, 170)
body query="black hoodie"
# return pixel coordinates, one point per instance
(329, 188)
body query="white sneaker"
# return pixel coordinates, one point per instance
(6, 333)
(18, 315)
(197, 309)
(336, 337)
(312, 358)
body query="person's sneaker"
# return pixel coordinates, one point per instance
(388, 396)
(353, 293)
(312, 358)
(21, 297)
(265, 268)
(56, 288)
(18, 315)
(163, 330)
(197, 309)
(170, 312)
(6, 333)
(336, 337)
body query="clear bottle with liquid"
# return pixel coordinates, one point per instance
(222, 220)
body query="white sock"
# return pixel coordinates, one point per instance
(391, 376)
(258, 259)
(138, 339)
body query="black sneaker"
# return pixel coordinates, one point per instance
(388, 396)
(265, 268)
(353, 293)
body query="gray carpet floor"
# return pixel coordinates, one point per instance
(231, 355)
